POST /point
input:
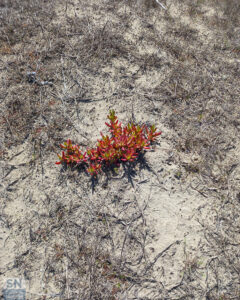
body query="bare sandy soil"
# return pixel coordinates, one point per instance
(166, 227)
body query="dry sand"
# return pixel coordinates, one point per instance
(169, 227)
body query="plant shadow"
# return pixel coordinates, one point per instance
(111, 172)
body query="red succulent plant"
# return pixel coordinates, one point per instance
(124, 144)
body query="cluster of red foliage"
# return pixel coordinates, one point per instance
(125, 144)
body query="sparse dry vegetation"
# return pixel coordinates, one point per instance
(165, 229)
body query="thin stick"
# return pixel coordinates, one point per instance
(158, 256)
(160, 4)
(10, 128)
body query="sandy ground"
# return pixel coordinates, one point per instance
(169, 227)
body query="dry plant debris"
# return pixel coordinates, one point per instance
(167, 228)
